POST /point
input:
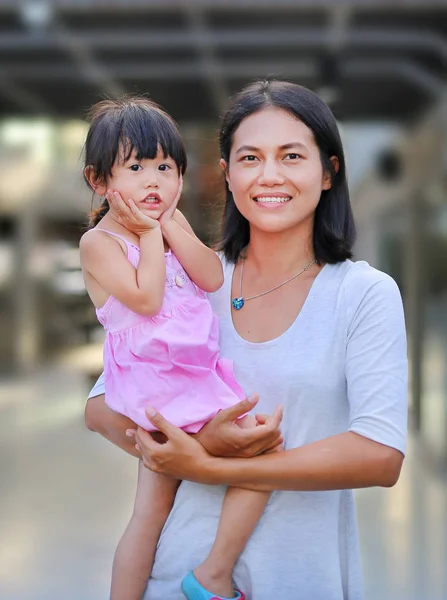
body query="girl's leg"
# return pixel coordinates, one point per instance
(241, 511)
(135, 552)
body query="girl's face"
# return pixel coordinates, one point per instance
(152, 183)
(275, 171)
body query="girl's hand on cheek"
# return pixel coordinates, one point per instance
(169, 212)
(129, 215)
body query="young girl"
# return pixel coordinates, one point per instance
(147, 273)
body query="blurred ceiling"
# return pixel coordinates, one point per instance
(369, 59)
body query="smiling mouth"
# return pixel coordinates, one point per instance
(272, 199)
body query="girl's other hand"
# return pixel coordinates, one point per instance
(129, 215)
(168, 215)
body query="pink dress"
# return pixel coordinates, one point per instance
(169, 361)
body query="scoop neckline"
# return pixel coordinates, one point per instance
(294, 323)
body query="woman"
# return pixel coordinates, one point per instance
(328, 343)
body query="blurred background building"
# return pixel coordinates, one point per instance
(380, 64)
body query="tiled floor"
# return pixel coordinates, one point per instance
(66, 495)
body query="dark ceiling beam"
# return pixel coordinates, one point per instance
(94, 71)
(403, 70)
(169, 71)
(42, 21)
(400, 70)
(184, 39)
(87, 6)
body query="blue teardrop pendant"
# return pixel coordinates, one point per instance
(238, 303)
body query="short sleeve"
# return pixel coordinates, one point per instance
(376, 360)
(99, 387)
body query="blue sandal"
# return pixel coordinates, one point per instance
(194, 591)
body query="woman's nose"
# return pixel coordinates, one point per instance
(270, 174)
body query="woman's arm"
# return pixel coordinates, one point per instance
(200, 262)
(343, 461)
(221, 436)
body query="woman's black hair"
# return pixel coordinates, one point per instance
(334, 229)
(126, 125)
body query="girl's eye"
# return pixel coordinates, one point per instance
(164, 167)
(135, 167)
(293, 156)
(249, 158)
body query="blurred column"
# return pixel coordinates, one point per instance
(433, 406)
(414, 284)
(26, 342)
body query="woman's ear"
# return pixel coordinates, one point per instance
(96, 183)
(327, 177)
(224, 166)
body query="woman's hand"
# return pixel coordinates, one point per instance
(168, 214)
(181, 456)
(222, 436)
(129, 215)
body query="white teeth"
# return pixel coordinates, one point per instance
(273, 199)
(151, 200)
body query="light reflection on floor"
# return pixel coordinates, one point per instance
(66, 495)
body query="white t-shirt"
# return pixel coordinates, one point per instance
(341, 366)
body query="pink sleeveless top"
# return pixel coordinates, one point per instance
(169, 361)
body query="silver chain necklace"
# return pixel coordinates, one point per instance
(238, 303)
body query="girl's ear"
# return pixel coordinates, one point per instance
(96, 183)
(224, 166)
(327, 177)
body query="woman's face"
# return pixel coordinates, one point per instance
(275, 171)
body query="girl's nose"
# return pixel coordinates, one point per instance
(151, 180)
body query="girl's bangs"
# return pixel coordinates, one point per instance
(144, 131)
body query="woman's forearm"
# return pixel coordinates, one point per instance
(344, 461)
(111, 425)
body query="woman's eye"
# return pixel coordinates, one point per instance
(164, 167)
(293, 156)
(135, 167)
(249, 158)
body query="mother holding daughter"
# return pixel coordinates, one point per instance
(306, 328)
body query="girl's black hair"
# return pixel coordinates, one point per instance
(125, 125)
(334, 229)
